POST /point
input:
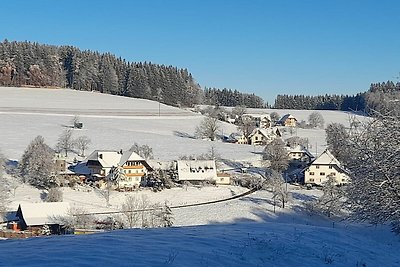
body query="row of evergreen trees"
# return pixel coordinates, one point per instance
(33, 64)
(380, 97)
(321, 102)
(232, 98)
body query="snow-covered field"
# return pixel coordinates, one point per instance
(240, 232)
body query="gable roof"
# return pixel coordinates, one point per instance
(42, 213)
(266, 132)
(326, 158)
(300, 149)
(129, 156)
(107, 158)
(285, 117)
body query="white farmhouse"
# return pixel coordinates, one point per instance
(261, 136)
(323, 166)
(130, 166)
(197, 170)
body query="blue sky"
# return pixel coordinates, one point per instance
(255, 46)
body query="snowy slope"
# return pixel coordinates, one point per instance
(111, 122)
(245, 244)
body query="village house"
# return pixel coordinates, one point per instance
(35, 216)
(288, 121)
(261, 136)
(199, 171)
(299, 156)
(130, 166)
(322, 167)
(265, 121)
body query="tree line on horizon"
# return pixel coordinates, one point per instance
(379, 98)
(37, 65)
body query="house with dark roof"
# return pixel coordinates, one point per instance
(288, 121)
(130, 166)
(35, 216)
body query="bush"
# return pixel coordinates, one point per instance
(54, 195)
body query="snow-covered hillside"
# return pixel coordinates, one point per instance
(115, 122)
(245, 244)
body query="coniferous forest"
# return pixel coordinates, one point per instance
(37, 65)
(379, 98)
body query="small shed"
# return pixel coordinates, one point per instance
(33, 216)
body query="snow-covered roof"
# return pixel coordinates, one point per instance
(300, 149)
(287, 116)
(157, 164)
(43, 213)
(266, 132)
(129, 156)
(326, 158)
(107, 158)
(196, 170)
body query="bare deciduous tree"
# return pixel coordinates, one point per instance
(316, 120)
(129, 209)
(65, 142)
(246, 126)
(144, 151)
(208, 128)
(82, 143)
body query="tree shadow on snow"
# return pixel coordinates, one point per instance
(183, 135)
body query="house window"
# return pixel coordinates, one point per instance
(333, 173)
(256, 138)
(129, 171)
(317, 166)
(312, 180)
(322, 173)
(311, 173)
(330, 166)
(343, 180)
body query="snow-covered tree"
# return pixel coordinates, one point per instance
(278, 186)
(274, 116)
(276, 155)
(167, 217)
(3, 190)
(238, 111)
(315, 120)
(208, 128)
(331, 202)
(75, 121)
(374, 192)
(65, 142)
(337, 139)
(37, 164)
(297, 141)
(82, 143)
(54, 194)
